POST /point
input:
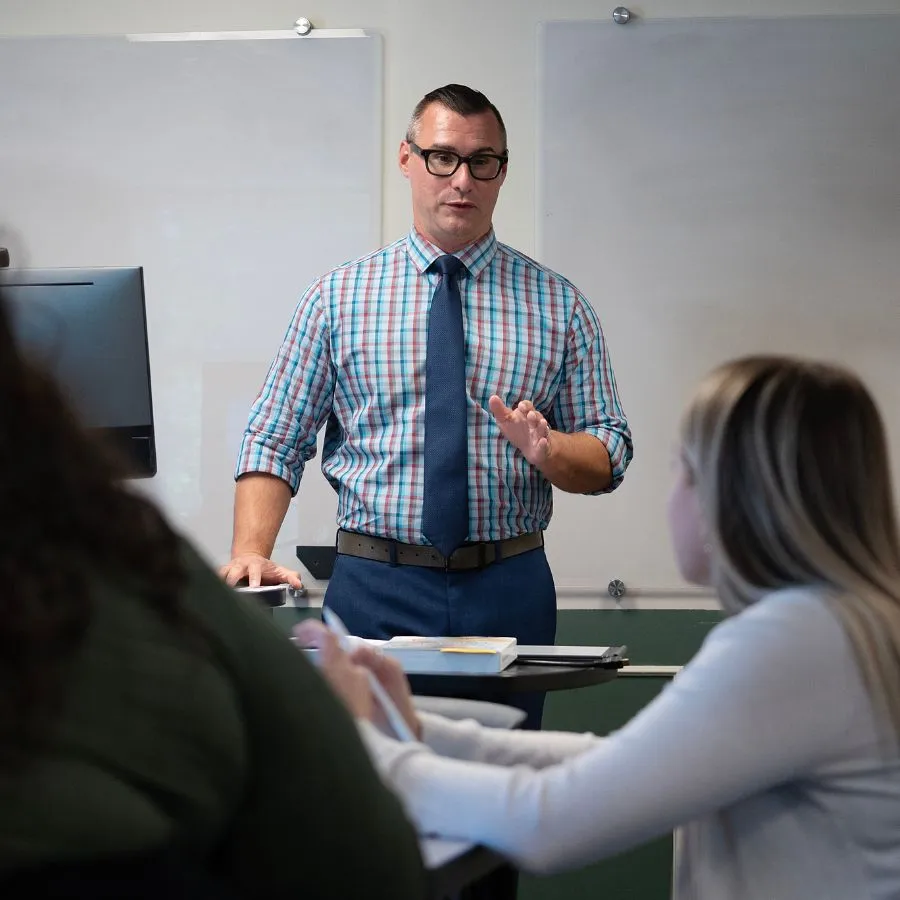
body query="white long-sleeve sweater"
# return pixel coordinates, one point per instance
(764, 749)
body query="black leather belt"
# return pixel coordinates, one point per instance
(466, 557)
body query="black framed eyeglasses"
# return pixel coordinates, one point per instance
(443, 163)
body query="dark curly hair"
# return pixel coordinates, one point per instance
(67, 519)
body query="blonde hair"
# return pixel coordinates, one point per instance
(791, 466)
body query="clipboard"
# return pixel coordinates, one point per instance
(570, 655)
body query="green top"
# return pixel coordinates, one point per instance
(240, 755)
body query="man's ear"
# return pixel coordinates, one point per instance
(403, 158)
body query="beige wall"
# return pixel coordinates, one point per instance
(490, 44)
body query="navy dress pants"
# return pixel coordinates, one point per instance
(511, 598)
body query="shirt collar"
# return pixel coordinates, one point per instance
(476, 256)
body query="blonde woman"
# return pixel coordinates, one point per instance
(775, 751)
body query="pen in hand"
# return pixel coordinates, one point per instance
(395, 719)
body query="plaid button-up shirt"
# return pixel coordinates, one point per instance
(353, 360)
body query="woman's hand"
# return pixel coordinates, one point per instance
(348, 675)
(348, 680)
(392, 677)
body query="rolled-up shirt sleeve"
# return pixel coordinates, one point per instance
(295, 399)
(588, 399)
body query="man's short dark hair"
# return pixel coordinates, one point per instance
(458, 98)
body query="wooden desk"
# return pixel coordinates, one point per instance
(454, 865)
(514, 679)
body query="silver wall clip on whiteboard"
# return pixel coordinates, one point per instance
(303, 26)
(621, 15)
(617, 590)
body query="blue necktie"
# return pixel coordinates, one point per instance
(445, 515)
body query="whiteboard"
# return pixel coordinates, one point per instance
(716, 187)
(234, 172)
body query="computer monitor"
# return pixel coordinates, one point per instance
(88, 327)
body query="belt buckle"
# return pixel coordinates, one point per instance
(482, 563)
(449, 560)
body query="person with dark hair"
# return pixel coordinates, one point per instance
(460, 382)
(146, 708)
(775, 752)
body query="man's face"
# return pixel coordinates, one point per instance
(453, 211)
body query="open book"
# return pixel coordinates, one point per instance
(450, 655)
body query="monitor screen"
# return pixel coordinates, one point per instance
(88, 327)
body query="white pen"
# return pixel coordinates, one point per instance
(395, 719)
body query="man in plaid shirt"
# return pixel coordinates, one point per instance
(541, 408)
